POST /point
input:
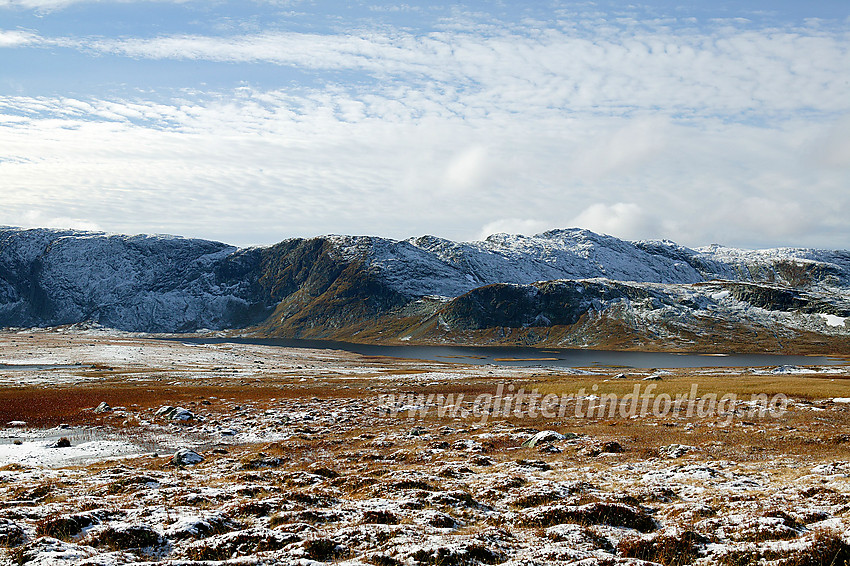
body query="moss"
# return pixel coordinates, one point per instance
(412, 484)
(132, 483)
(383, 560)
(442, 521)
(36, 493)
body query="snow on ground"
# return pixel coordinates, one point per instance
(388, 497)
(307, 479)
(46, 454)
(65, 446)
(75, 359)
(833, 320)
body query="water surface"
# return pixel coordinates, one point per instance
(536, 357)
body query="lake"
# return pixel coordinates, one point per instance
(536, 357)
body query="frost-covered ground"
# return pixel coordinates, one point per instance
(41, 452)
(301, 463)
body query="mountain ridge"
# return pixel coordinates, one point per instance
(505, 289)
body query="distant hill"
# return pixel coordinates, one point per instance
(559, 288)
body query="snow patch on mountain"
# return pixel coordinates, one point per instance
(833, 320)
(168, 284)
(153, 283)
(580, 254)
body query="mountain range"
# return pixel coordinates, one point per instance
(568, 288)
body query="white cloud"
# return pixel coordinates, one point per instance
(525, 226)
(467, 170)
(616, 70)
(626, 148)
(17, 38)
(51, 5)
(832, 148)
(38, 219)
(773, 218)
(622, 219)
(35, 4)
(635, 131)
(262, 165)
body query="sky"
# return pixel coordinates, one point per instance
(254, 121)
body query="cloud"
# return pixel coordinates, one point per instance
(17, 38)
(728, 134)
(525, 226)
(770, 217)
(52, 5)
(832, 148)
(623, 219)
(257, 166)
(467, 170)
(624, 149)
(38, 219)
(609, 70)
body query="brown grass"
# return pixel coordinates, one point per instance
(743, 385)
(828, 548)
(671, 550)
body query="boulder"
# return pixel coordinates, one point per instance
(543, 436)
(174, 413)
(186, 457)
(675, 450)
(102, 408)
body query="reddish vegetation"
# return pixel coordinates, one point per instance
(42, 407)
(314, 466)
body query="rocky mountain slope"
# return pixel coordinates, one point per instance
(563, 287)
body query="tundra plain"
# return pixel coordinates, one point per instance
(128, 449)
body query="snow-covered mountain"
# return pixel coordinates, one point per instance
(141, 283)
(421, 289)
(580, 254)
(429, 265)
